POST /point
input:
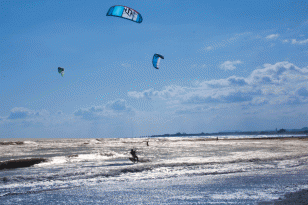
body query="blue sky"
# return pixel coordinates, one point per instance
(229, 65)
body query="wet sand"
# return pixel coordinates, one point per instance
(298, 198)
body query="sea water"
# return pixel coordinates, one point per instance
(172, 170)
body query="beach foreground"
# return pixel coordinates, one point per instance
(174, 171)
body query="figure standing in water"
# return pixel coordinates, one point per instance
(133, 153)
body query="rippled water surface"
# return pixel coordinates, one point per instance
(171, 170)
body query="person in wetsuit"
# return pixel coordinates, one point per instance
(133, 153)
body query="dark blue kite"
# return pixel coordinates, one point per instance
(156, 60)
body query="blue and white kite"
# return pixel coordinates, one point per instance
(125, 12)
(156, 60)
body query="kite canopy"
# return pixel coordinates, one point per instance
(125, 12)
(156, 60)
(61, 70)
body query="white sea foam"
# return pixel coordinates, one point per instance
(30, 143)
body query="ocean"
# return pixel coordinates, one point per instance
(172, 170)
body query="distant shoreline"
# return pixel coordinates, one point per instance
(304, 133)
(13, 142)
(304, 137)
(285, 134)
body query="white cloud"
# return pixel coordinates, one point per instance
(21, 117)
(208, 48)
(146, 94)
(24, 113)
(267, 89)
(294, 41)
(126, 65)
(168, 92)
(282, 72)
(119, 106)
(92, 113)
(280, 83)
(272, 36)
(230, 65)
(111, 109)
(231, 81)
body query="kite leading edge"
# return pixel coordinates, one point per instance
(125, 12)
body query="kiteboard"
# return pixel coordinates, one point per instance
(140, 160)
(132, 159)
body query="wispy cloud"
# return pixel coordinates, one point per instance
(231, 81)
(272, 36)
(208, 48)
(230, 65)
(215, 45)
(300, 42)
(20, 116)
(111, 109)
(169, 92)
(146, 94)
(126, 65)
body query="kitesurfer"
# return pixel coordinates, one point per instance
(133, 153)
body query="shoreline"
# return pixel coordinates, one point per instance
(19, 142)
(302, 133)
